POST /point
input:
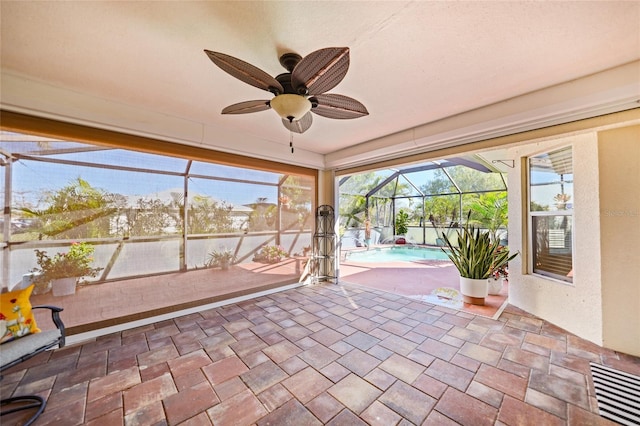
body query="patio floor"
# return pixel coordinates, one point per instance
(98, 306)
(420, 280)
(332, 354)
(110, 304)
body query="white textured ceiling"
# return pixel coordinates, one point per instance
(139, 66)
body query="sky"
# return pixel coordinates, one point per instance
(32, 178)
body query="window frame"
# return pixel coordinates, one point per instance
(531, 232)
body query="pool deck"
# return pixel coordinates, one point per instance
(416, 279)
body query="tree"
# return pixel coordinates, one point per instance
(352, 211)
(490, 209)
(263, 216)
(440, 184)
(353, 193)
(380, 211)
(352, 198)
(295, 202)
(207, 215)
(471, 180)
(443, 210)
(149, 217)
(76, 210)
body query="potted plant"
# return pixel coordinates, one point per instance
(476, 257)
(497, 279)
(402, 222)
(222, 258)
(62, 271)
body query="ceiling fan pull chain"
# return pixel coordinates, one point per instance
(291, 141)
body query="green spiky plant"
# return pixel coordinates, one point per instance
(477, 255)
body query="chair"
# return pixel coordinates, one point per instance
(19, 350)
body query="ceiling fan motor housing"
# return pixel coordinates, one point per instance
(300, 90)
(290, 60)
(285, 81)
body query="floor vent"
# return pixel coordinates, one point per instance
(618, 394)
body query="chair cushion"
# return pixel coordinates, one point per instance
(18, 348)
(16, 318)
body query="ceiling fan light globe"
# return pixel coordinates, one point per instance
(291, 107)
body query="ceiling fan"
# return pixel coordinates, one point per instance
(299, 91)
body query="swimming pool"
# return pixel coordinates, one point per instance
(396, 254)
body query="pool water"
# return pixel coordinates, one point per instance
(396, 254)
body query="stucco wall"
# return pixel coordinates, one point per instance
(575, 307)
(619, 179)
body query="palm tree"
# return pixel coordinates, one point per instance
(77, 210)
(491, 210)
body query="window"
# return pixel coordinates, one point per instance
(551, 214)
(145, 213)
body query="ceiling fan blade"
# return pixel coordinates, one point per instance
(246, 107)
(246, 72)
(322, 70)
(338, 106)
(299, 126)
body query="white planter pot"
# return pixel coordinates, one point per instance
(473, 291)
(27, 280)
(64, 286)
(41, 288)
(495, 285)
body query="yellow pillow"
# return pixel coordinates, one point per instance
(16, 318)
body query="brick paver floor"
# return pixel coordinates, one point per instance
(323, 354)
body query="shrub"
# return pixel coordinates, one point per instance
(270, 254)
